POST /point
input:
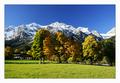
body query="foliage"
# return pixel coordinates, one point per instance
(17, 50)
(9, 52)
(37, 47)
(104, 60)
(48, 47)
(109, 50)
(64, 49)
(29, 52)
(59, 48)
(90, 48)
(70, 60)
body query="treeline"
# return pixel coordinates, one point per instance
(58, 47)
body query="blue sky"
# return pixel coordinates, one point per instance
(95, 17)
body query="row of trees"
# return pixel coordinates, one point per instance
(11, 52)
(58, 47)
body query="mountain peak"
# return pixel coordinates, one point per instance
(57, 24)
(33, 25)
(84, 30)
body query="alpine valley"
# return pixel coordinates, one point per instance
(22, 35)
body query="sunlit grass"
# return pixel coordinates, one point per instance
(58, 71)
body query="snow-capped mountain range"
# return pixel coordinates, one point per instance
(29, 30)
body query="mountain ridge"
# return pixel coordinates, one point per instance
(109, 34)
(24, 34)
(53, 27)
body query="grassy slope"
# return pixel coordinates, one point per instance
(58, 71)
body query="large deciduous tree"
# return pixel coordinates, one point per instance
(109, 50)
(37, 47)
(90, 48)
(66, 48)
(59, 48)
(74, 50)
(48, 47)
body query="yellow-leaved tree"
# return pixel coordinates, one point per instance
(90, 48)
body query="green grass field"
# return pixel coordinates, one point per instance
(58, 71)
(27, 62)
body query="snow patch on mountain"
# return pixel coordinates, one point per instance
(94, 32)
(112, 31)
(109, 34)
(84, 30)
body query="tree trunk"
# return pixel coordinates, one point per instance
(111, 64)
(91, 62)
(40, 61)
(43, 60)
(59, 60)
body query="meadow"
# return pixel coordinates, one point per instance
(34, 70)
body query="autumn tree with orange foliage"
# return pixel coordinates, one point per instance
(48, 47)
